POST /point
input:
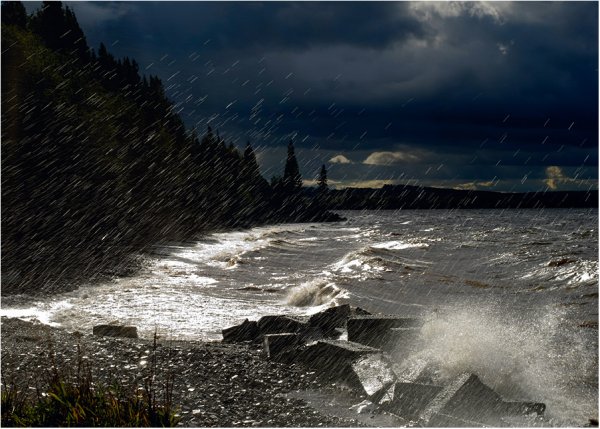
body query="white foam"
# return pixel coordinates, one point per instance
(314, 293)
(536, 356)
(399, 245)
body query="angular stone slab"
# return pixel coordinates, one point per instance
(410, 399)
(373, 330)
(330, 319)
(280, 325)
(522, 408)
(398, 339)
(115, 331)
(246, 331)
(467, 398)
(373, 374)
(333, 357)
(277, 345)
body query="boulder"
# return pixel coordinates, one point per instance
(357, 311)
(373, 375)
(330, 319)
(373, 330)
(277, 345)
(333, 357)
(467, 399)
(246, 331)
(410, 399)
(398, 340)
(115, 331)
(280, 325)
(360, 367)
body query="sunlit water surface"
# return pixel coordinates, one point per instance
(503, 293)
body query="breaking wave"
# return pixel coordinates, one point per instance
(378, 257)
(314, 293)
(537, 355)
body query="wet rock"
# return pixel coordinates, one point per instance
(115, 331)
(330, 319)
(364, 369)
(467, 399)
(277, 345)
(333, 357)
(523, 408)
(246, 331)
(280, 325)
(373, 330)
(373, 374)
(410, 399)
(357, 311)
(398, 340)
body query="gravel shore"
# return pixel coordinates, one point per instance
(215, 384)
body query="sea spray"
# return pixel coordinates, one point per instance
(538, 356)
(313, 293)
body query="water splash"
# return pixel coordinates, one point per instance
(539, 356)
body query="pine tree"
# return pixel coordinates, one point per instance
(49, 23)
(292, 180)
(322, 180)
(74, 39)
(13, 13)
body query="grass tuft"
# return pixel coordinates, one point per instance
(68, 399)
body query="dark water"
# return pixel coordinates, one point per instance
(503, 293)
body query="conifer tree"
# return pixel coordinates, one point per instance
(13, 13)
(322, 180)
(74, 39)
(292, 180)
(49, 23)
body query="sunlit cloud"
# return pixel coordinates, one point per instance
(555, 177)
(340, 159)
(389, 158)
(474, 186)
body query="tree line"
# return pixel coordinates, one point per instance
(96, 163)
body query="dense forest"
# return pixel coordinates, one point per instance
(96, 164)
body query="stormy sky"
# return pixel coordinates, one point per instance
(497, 96)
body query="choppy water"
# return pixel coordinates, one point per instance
(503, 293)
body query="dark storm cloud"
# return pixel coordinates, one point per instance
(472, 85)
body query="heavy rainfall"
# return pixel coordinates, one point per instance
(299, 214)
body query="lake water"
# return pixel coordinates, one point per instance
(504, 294)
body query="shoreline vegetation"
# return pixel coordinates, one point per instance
(202, 384)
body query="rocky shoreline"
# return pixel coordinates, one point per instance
(215, 384)
(336, 368)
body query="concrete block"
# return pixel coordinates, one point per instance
(115, 331)
(467, 398)
(331, 318)
(333, 358)
(277, 345)
(410, 399)
(246, 331)
(373, 375)
(280, 325)
(373, 330)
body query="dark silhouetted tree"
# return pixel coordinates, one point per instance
(73, 37)
(322, 180)
(13, 13)
(49, 23)
(292, 180)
